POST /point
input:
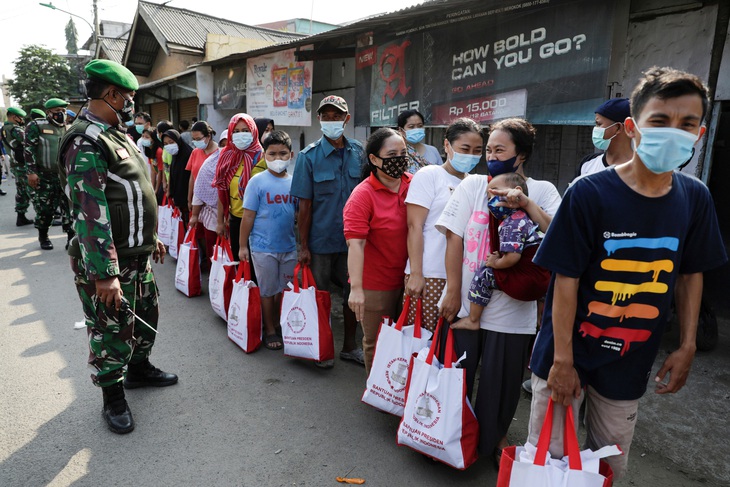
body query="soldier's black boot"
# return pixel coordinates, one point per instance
(71, 234)
(116, 411)
(43, 239)
(147, 375)
(22, 220)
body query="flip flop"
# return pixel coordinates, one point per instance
(273, 338)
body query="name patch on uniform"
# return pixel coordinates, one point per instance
(48, 131)
(122, 153)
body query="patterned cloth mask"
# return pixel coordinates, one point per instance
(499, 212)
(394, 166)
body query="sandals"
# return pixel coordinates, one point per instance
(273, 342)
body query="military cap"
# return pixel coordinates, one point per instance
(16, 111)
(37, 113)
(113, 73)
(55, 103)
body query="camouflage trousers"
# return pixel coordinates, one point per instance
(23, 191)
(46, 198)
(117, 339)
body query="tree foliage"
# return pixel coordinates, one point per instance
(39, 75)
(72, 37)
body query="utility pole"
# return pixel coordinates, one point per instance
(96, 29)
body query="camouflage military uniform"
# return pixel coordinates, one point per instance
(41, 149)
(115, 214)
(12, 136)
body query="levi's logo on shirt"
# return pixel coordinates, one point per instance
(280, 198)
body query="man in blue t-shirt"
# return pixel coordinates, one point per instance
(325, 174)
(623, 243)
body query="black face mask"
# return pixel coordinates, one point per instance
(394, 166)
(59, 118)
(127, 111)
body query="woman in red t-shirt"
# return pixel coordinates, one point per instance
(204, 146)
(376, 232)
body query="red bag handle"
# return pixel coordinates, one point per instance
(403, 318)
(190, 237)
(243, 271)
(164, 200)
(307, 277)
(571, 448)
(436, 344)
(223, 243)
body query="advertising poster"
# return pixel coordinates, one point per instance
(546, 60)
(280, 88)
(230, 88)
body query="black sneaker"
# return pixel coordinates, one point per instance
(147, 375)
(22, 220)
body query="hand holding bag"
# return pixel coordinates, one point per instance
(244, 312)
(531, 466)
(220, 279)
(188, 279)
(438, 420)
(386, 384)
(305, 319)
(177, 234)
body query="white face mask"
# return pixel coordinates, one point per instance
(242, 140)
(172, 149)
(278, 166)
(332, 130)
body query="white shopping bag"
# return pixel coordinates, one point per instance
(244, 313)
(438, 420)
(220, 279)
(386, 384)
(188, 279)
(177, 233)
(164, 222)
(305, 319)
(532, 466)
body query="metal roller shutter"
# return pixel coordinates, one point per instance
(159, 111)
(187, 109)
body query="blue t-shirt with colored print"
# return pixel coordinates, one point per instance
(273, 227)
(626, 249)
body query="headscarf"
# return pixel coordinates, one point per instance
(262, 123)
(231, 157)
(179, 176)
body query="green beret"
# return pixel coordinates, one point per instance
(16, 111)
(55, 103)
(113, 73)
(37, 113)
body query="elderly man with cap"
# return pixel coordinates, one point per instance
(13, 135)
(115, 215)
(325, 174)
(610, 137)
(42, 137)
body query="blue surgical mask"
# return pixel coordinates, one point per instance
(200, 144)
(664, 149)
(499, 212)
(599, 141)
(415, 136)
(139, 127)
(464, 162)
(497, 167)
(242, 140)
(332, 130)
(129, 123)
(146, 142)
(172, 149)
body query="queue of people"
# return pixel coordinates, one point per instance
(390, 220)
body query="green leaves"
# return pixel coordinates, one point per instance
(39, 75)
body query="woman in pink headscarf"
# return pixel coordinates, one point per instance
(235, 163)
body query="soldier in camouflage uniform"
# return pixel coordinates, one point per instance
(37, 113)
(12, 137)
(115, 216)
(42, 137)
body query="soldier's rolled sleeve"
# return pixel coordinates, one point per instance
(86, 174)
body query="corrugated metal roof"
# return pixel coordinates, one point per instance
(113, 47)
(186, 28)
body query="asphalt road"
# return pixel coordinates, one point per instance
(251, 420)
